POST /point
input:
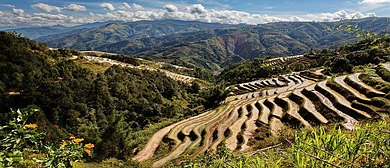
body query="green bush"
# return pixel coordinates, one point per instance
(22, 141)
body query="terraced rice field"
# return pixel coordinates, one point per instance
(293, 100)
(281, 60)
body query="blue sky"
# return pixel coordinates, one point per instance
(49, 12)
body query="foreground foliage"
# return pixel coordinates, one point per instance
(368, 145)
(22, 146)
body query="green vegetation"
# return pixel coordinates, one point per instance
(365, 146)
(117, 109)
(340, 60)
(22, 145)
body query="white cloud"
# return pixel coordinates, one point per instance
(133, 6)
(75, 7)
(196, 8)
(107, 6)
(46, 7)
(170, 8)
(8, 5)
(336, 16)
(374, 1)
(125, 6)
(137, 6)
(191, 13)
(18, 12)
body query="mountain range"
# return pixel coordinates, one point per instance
(209, 45)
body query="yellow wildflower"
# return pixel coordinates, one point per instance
(89, 146)
(72, 137)
(78, 140)
(63, 143)
(88, 152)
(32, 126)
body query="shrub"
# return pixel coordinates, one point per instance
(22, 140)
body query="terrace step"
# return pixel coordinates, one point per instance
(361, 97)
(355, 78)
(340, 101)
(265, 112)
(349, 121)
(309, 106)
(228, 122)
(235, 128)
(250, 126)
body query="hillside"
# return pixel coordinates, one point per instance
(343, 94)
(275, 39)
(215, 48)
(80, 97)
(90, 39)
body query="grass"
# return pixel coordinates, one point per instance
(366, 146)
(96, 67)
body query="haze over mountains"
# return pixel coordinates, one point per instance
(209, 45)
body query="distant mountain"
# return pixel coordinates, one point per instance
(36, 32)
(215, 48)
(211, 46)
(90, 39)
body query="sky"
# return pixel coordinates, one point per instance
(23, 13)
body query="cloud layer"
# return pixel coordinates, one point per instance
(75, 7)
(46, 7)
(107, 6)
(135, 12)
